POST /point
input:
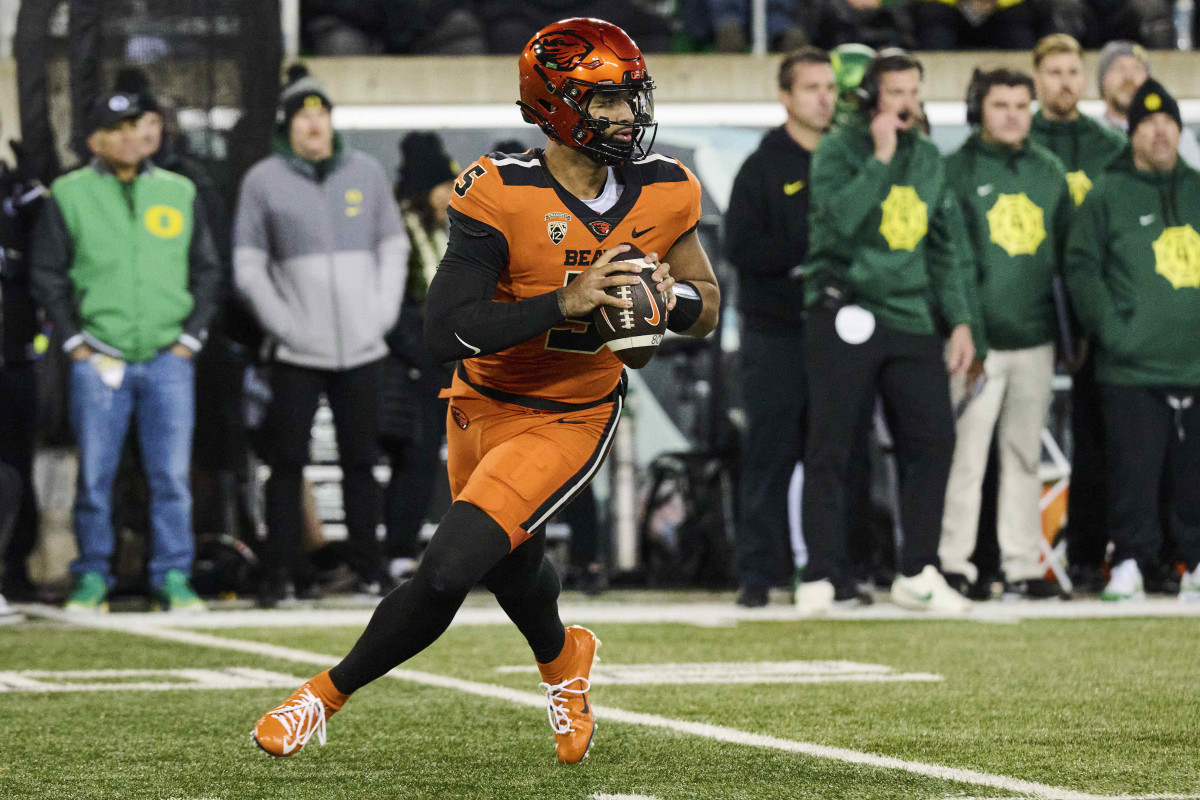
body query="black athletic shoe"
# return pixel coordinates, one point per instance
(851, 593)
(1033, 589)
(1087, 579)
(752, 597)
(958, 582)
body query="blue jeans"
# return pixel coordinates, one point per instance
(159, 394)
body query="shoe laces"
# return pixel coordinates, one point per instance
(301, 717)
(556, 702)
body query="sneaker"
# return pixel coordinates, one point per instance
(284, 730)
(928, 591)
(1087, 578)
(1125, 583)
(850, 594)
(752, 596)
(1189, 586)
(8, 616)
(958, 582)
(177, 596)
(1033, 589)
(90, 595)
(814, 598)
(567, 703)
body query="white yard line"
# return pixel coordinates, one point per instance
(705, 614)
(714, 732)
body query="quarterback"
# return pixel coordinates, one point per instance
(536, 395)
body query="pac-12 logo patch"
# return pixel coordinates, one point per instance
(556, 226)
(460, 418)
(563, 51)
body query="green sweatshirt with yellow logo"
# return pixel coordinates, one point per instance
(892, 232)
(1083, 145)
(1017, 209)
(1133, 268)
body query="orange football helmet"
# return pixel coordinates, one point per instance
(568, 63)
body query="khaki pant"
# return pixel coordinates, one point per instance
(1017, 394)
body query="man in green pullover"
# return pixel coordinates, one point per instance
(1016, 205)
(1085, 148)
(127, 272)
(1133, 267)
(885, 273)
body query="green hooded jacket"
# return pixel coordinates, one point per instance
(1083, 145)
(893, 232)
(1133, 268)
(1017, 210)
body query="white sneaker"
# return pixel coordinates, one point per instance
(928, 591)
(814, 598)
(402, 568)
(7, 615)
(1189, 586)
(1125, 583)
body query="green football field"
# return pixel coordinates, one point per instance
(693, 700)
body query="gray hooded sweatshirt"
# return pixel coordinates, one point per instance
(321, 259)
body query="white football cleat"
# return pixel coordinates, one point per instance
(1125, 583)
(928, 591)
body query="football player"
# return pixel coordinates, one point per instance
(535, 239)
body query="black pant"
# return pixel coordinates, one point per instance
(353, 398)
(909, 372)
(775, 395)
(1143, 438)
(415, 467)
(1087, 503)
(18, 431)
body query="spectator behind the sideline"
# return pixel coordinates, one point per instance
(978, 24)
(884, 276)
(1123, 68)
(412, 416)
(1133, 263)
(22, 198)
(124, 265)
(319, 255)
(1016, 206)
(1085, 148)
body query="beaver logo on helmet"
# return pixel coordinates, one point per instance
(563, 51)
(568, 65)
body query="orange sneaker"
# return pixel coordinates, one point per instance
(566, 686)
(284, 730)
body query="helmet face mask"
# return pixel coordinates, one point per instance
(575, 64)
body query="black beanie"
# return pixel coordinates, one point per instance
(1152, 98)
(423, 165)
(134, 81)
(300, 89)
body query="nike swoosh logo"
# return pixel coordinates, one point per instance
(472, 347)
(586, 709)
(1146, 220)
(791, 188)
(653, 320)
(637, 233)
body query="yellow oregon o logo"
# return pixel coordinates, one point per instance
(163, 221)
(905, 218)
(1016, 224)
(1177, 256)
(1079, 185)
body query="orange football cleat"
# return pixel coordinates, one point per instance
(566, 686)
(284, 730)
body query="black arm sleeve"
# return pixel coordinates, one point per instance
(461, 318)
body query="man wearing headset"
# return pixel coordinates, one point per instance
(886, 281)
(1016, 205)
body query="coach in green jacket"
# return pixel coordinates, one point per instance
(1016, 207)
(127, 272)
(1133, 263)
(885, 272)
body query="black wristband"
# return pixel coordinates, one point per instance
(688, 307)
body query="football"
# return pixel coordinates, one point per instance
(633, 334)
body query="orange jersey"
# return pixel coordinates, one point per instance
(551, 237)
